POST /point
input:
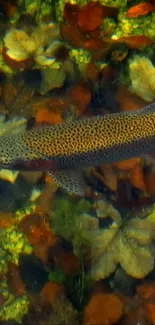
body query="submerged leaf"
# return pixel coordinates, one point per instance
(140, 9)
(52, 78)
(103, 308)
(128, 244)
(90, 16)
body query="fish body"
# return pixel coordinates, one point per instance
(81, 143)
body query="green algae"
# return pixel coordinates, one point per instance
(14, 309)
(142, 25)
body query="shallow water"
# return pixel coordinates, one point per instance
(64, 258)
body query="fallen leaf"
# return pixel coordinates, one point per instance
(141, 9)
(135, 42)
(72, 34)
(147, 292)
(71, 13)
(127, 100)
(14, 280)
(136, 177)
(51, 291)
(126, 164)
(149, 180)
(90, 16)
(45, 115)
(103, 309)
(80, 96)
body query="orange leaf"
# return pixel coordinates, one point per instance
(146, 290)
(127, 100)
(45, 115)
(126, 164)
(103, 309)
(150, 310)
(90, 16)
(71, 12)
(72, 34)
(94, 44)
(80, 96)
(135, 42)
(109, 176)
(37, 230)
(140, 10)
(91, 72)
(60, 103)
(51, 291)
(95, 33)
(136, 177)
(10, 8)
(6, 220)
(150, 183)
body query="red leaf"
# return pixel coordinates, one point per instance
(90, 16)
(71, 13)
(135, 42)
(72, 34)
(140, 10)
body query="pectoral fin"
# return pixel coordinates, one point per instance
(70, 180)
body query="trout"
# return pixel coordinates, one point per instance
(64, 150)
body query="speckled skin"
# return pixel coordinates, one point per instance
(82, 143)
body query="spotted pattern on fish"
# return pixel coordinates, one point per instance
(86, 142)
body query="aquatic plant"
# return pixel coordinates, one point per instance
(127, 242)
(70, 221)
(142, 76)
(57, 276)
(14, 306)
(142, 25)
(13, 242)
(14, 309)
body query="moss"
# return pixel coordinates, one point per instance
(113, 3)
(108, 26)
(57, 276)
(28, 209)
(143, 25)
(80, 56)
(14, 243)
(14, 309)
(3, 261)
